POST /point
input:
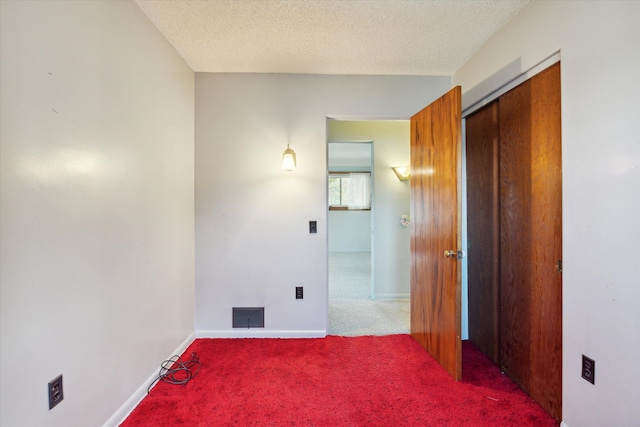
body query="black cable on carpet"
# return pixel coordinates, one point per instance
(175, 371)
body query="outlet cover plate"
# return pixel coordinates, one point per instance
(588, 369)
(55, 391)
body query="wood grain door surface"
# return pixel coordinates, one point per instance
(435, 228)
(531, 237)
(514, 183)
(483, 229)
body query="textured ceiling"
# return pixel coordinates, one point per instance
(392, 37)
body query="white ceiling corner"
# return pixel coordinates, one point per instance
(371, 37)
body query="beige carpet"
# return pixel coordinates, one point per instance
(351, 310)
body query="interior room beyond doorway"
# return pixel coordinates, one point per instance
(369, 254)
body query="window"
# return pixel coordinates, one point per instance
(349, 190)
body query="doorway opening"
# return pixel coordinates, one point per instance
(368, 248)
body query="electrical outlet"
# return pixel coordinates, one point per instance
(55, 391)
(313, 227)
(299, 294)
(588, 369)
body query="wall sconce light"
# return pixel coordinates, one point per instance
(289, 159)
(402, 172)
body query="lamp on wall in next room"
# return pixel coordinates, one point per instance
(289, 159)
(402, 172)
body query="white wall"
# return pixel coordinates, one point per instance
(96, 282)
(391, 250)
(349, 231)
(252, 240)
(600, 60)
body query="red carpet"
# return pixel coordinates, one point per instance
(335, 381)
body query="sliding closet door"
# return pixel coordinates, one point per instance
(483, 224)
(531, 237)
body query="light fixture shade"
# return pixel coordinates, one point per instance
(403, 172)
(289, 159)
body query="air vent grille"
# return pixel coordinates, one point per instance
(248, 317)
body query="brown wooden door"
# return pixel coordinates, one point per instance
(435, 228)
(531, 237)
(483, 225)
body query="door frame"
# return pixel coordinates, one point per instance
(371, 219)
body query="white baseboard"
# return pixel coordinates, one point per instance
(392, 297)
(259, 333)
(563, 424)
(124, 411)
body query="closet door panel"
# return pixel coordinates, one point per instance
(531, 237)
(483, 224)
(516, 238)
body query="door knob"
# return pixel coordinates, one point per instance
(450, 253)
